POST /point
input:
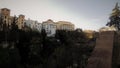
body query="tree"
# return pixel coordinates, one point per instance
(44, 34)
(115, 18)
(1, 22)
(14, 26)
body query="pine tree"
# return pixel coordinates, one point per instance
(115, 18)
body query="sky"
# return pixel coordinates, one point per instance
(85, 14)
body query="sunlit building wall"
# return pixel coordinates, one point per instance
(112, 28)
(5, 16)
(5, 12)
(89, 33)
(21, 21)
(64, 25)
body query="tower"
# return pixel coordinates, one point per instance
(20, 22)
(5, 18)
(5, 12)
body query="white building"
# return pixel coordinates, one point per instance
(34, 25)
(38, 26)
(50, 27)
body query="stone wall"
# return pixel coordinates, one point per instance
(102, 54)
(116, 51)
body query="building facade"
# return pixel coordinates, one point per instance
(64, 25)
(89, 33)
(50, 27)
(34, 25)
(21, 21)
(5, 12)
(39, 26)
(6, 19)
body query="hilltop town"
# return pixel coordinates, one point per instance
(27, 43)
(50, 26)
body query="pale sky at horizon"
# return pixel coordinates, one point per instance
(85, 14)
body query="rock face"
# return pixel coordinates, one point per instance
(102, 55)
